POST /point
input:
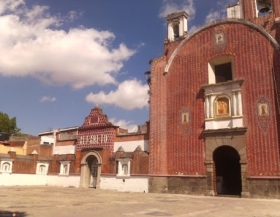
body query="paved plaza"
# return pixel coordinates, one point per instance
(67, 202)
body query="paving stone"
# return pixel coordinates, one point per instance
(69, 202)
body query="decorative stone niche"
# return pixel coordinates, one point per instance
(223, 105)
(42, 168)
(123, 167)
(64, 168)
(6, 166)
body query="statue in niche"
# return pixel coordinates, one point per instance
(185, 118)
(263, 109)
(125, 169)
(65, 168)
(222, 106)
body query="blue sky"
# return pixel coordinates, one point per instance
(61, 58)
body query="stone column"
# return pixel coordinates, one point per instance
(84, 178)
(211, 106)
(239, 103)
(170, 32)
(234, 106)
(207, 107)
(98, 176)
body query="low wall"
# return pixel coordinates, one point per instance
(127, 184)
(63, 181)
(12, 179)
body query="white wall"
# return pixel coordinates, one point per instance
(7, 179)
(63, 181)
(131, 184)
(49, 138)
(10, 179)
(67, 149)
(130, 146)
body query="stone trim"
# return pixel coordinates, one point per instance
(85, 171)
(225, 137)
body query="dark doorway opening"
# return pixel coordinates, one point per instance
(227, 171)
(93, 167)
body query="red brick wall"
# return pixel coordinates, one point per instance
(158, 121)
(253, 57)
(249, 10)
(99, 129)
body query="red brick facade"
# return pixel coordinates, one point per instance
(176, 81)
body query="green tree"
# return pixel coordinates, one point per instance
(8, 125)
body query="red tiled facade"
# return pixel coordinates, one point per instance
(253, 45)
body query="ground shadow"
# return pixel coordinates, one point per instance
(12, 214)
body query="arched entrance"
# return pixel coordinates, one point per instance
(91, 170)
(227, 171)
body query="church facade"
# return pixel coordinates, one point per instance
(214, 105)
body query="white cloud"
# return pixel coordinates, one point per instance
(125, 125)
(213, 16)
(171, 6)
(131, 94)
(34, 46)
(47, 99)
(73, 15)
(219, 12)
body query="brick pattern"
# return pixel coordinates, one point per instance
(158, 161)
(264, 120)
(253, 60)
(96, 132)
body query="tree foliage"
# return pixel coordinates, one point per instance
(8, 125)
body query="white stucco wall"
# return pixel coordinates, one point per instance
(131, 184)
(49, 138)
(130, 146)
(7, 179)
(10, 179)
(68, 149)
(63, 181)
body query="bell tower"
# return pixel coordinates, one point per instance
(177, 25)
(256, 8)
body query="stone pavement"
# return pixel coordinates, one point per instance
(69, 202)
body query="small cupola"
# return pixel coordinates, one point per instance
(177, 25)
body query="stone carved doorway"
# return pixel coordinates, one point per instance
(91, 170)
(234, 142)
(227, 171)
